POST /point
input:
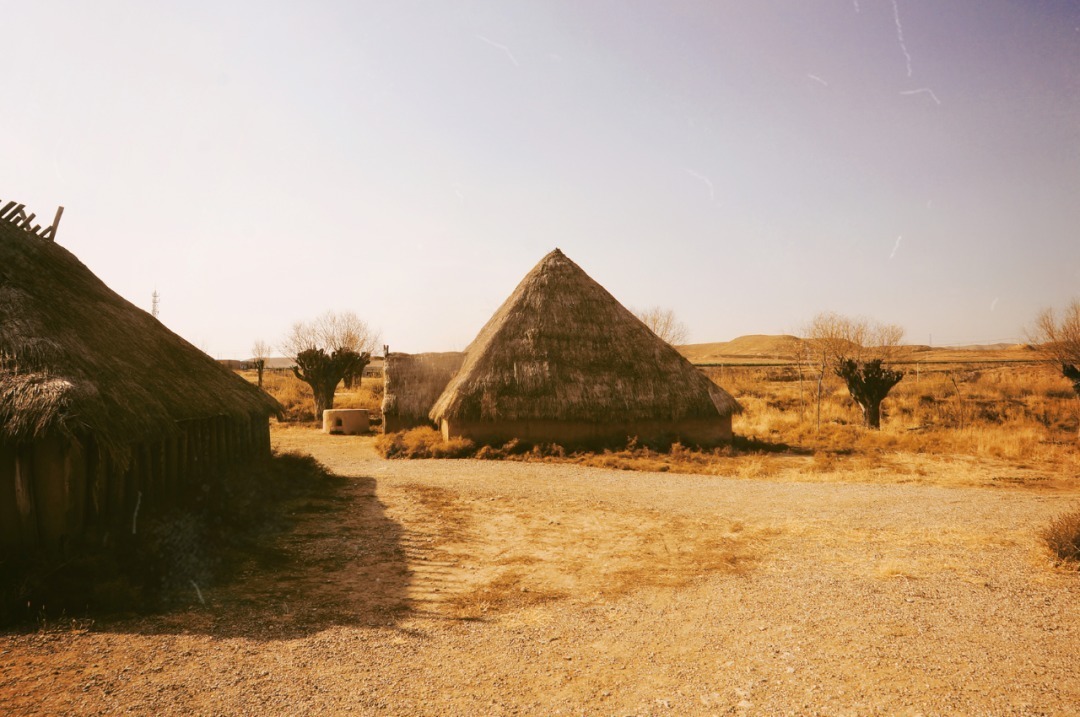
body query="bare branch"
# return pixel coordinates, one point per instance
(842, 338)
(664, 324)
(331, 332)
(1057, 337)
(260, 350)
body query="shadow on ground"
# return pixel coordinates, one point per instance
(279, 558)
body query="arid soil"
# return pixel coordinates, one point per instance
(490, 588)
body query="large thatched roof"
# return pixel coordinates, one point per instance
(76, 358)
(563, 348)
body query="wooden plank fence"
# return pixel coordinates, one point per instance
(55, 493)
(15, 214)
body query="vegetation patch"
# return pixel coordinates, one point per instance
(1062, 536)
(423, 442)
(727, 460)
(1014, 412)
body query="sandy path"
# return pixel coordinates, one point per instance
(470, 587)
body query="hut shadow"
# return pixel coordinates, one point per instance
(329, 556)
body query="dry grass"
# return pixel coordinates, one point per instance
(1062, 536)
(368, 395)
(294, 395)
(422, 442)
(744, 458)
(1022, 414)
(956, 424)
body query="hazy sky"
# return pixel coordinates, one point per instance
(746, 164)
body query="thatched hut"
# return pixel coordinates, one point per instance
(563, 361)
(106, 416)
(411, 385)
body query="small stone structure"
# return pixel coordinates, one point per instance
(345, 421)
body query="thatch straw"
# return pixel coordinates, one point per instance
(563, 348)
(77, 359)
(412, 383)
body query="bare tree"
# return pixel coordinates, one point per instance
(859, 351)
(1057, 338)
(799, 351)
(326, 350)
(664, 324)
(260, 351)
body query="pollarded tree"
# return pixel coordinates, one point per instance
(260, 351)
(859, 352)
(664, 324)
(328, 349)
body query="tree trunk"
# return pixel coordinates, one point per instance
(871, 414)
(802, 394)
(259, 373)
(324, 398)
(820, 378)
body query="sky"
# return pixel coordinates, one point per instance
(746, 164)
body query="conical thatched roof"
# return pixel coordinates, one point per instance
(76, 358)
(562, 348)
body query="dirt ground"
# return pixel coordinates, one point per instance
(493, 588)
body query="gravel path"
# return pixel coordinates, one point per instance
(475, 588)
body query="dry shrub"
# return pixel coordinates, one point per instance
(1062, 536)
(423, 442)
(515, 449)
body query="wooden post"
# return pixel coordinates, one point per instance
(10, 520)
(50, 233)
(94, 483)
(24, 496)
(170, 459)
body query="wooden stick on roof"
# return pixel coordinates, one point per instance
(50, 233)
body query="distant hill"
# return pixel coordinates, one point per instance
(755, 346)
(986, 347)
(763, 348)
